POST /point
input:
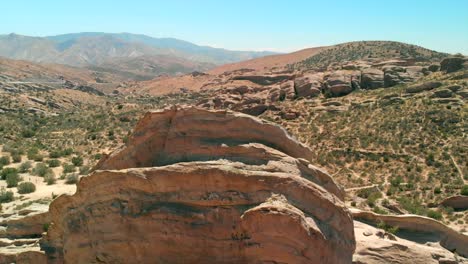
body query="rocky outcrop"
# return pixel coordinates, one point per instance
(308, 86)
(458, 202)
(372, 78)
(375, 246)
(264, 79)
(26, 227)
(198, 186)
(340, 83)
(453, 64)
(449, 238)
(423, 87)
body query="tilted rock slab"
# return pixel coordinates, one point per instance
(449, 238)
(198, 186)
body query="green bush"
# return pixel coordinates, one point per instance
(5, 196)
(28, 133)
(434, 214)
(26, 187)
(55, 154)
(40, 170)
(53, 163)
(38, 158)
(12, 180)
(71, 178)
(464, 190)
(5, 160)
(49, 178)
(25, 166)
(67, 152)
(84, 170)
(387, 228)
(16, 158)
(32, 153)
(67, 168)
(7, 171)
(77, 161)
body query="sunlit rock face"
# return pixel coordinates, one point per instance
(199, 186)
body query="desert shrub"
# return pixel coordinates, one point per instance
(434, 214)
(77, 161)
(464, 190)
(55, 154)
(26, 187)
(7, 171)
(16, 158)
(71, 178)
(387, 228)
(379, 210)
(32, 153)
(25, 166)
(67, 152)
(413, 206)
(53, 163)
(437, 190)
(28, 133)
(49, 177)
(40, 169)
(67, 168)
(38, 158)
(371, 195)
(84, 170)
(5, 196)
(12, 180)
(5, 160)
(395, 182)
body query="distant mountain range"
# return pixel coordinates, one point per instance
(139, 56)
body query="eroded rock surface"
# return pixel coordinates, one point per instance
(198, 186)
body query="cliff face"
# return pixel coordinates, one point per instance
(197, 186)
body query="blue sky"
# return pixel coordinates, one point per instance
(250, 25)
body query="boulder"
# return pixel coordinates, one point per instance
(307, 86)
(442, 93)
(198, 186)
(458, 202)
(453, 64)
(434, 67)
(372, 78)
(339, 83)
(287, 90)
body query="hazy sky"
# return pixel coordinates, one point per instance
(250, 25)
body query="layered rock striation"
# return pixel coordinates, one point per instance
(198, 186)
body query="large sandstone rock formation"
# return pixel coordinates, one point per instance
(198, 186)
